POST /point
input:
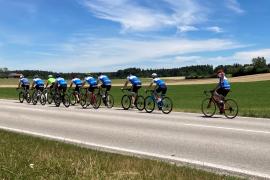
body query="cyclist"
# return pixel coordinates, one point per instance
(222, 89)
(50, 81)
(106, 84)
(38, 83)
(136, 85)
(160, 87)
(78, 83)
(92, 83)
(24, 83)
(60, 84)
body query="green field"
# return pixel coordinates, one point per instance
(26, 157)
(252, 97)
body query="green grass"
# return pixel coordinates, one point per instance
(26, 157)
(252, 97)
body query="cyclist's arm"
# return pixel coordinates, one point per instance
(126, 83)
(70, 86)
(47, 83)
(32, 85)
(19, 84)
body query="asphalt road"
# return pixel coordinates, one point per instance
(241, 145)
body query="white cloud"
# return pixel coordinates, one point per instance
(235, 6)
(111, 54)
(135, 17)
(187, 28)
(215, 29)
(248, 55)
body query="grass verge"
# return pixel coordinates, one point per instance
(252, 97)
(26, 157)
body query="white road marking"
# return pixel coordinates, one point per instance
(142, 153)
(227, 128)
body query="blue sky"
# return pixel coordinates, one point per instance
(107, 35)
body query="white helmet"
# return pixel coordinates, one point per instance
(21, 76)
(154, 75)
(50, 76)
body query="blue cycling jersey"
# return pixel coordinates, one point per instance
(159, 82)
(91, 81)
(134, 80)
(38, 82)
(105, 80)
(61, 81)
(77, 81)
(224, 83)
(24, 81)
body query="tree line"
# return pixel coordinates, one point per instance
(257, 66)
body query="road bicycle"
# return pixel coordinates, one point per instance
(61, 97)
(24, 94)
(209, 106)
(107, 98)
(126, 100)
(38, 96)
(165, 104)
(90, 98)
(50, 95)
(73, 97)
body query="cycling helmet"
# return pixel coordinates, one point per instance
(58, 75)
(154, 75)
(21, 76)
(36, 76)
(50, 76)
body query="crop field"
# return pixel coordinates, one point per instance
(252, 97)
(26, 157)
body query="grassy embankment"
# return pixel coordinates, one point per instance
(252, 97)
(26, 157)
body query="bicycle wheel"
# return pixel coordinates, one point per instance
(149, 104)
(167, 105)
(140, 103)
(208, 107)
(21, 97)
(83, 101)
(49, 97)
(231, 108)
(35, 98)
(42, 99)
(96, 101)
(57, 99)
(28, 97)
(126, 102)
(109, 101)
(73, 99)
(66, 100)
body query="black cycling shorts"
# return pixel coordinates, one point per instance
(39, 87)
(62, 87)
(92, 88)
(135, 89)
(77, 88)
(163, 90)
(107, 87)
(25, 87)
(223, 91)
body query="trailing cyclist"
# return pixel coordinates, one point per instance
(106, 84)
(24, 83)
(136, 85)
(160, 87)
(222, 89)
(38, 83)
(78, 83)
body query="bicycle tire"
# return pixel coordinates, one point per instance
(140, 103)
(208, 102)
(28, 97)
(49, 97)
(42, 99)
(167, 106)
(97, 102)
(109, 101)
(66, 100)
(34, 98)
(149, 104)
(21, 97)
(83, 101)
(73, 99)
(229, 108)
(57, 99)
(126, 102)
